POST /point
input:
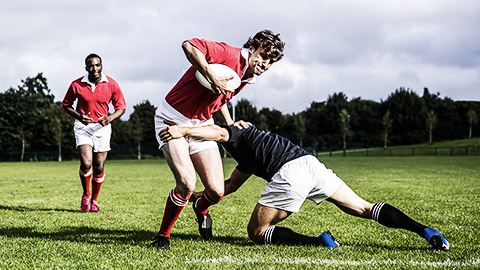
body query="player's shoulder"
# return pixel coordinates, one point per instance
(78, 80)
(111, 80)
(77, 83)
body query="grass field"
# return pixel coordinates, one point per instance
(41, 225)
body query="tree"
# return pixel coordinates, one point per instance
(142, 124)
(26, 121)
(407, 110)
(472, 120)
(387, 125)
(431, 123)
(345, 120)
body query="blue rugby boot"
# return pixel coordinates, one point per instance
(328, 240)
(436, 239)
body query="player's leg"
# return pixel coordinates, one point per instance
(85, 174)
(98, 177)
(283, 195)
(262, 229)
(348, 201)
(177, 155)
(208, 165)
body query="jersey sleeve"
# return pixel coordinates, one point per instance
(70, 97)
(118, 100)
(233, 133)
(215, 52)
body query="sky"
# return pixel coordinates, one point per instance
(365, 48)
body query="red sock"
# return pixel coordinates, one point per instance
(97, 184)
(85, 179)
(174, 207)
(204, 203)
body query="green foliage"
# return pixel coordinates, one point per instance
(42, 226)
(30, 121)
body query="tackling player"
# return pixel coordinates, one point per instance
(191, 104)
(293, 175)
(92, 128)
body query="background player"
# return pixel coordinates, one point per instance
(92, 128)
(191, 104)
(293, 175)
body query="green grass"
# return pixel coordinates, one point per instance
(41, 225)
(463, 147)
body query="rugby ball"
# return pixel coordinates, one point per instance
(220, 71)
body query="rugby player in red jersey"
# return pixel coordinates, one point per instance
(191, 104)
(93, 93)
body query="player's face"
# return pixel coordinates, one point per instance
(94, 69)
(258, 62)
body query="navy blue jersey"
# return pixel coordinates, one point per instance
(260, 153)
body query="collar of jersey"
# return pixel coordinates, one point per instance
(103, 79)
(253, 79)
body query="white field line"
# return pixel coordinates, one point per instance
(241, 260)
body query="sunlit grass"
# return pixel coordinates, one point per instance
(41, 225)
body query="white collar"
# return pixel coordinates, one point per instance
(86, 80)
(245, 56)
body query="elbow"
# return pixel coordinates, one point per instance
(223, 135)
(185, 45)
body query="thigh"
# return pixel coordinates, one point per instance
(178, 159)
(264, 217)
(86, 155)
(208, 165)
(349, 202)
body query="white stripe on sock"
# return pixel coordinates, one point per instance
(376, 211)
(267, 238)
(177, 200)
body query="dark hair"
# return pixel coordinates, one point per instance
(270, 42)
(92, 55)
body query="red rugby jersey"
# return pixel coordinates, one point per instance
(193, 100)
(94, 102)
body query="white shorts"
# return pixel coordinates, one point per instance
(166, 112)
(297, 180)
(93, 134)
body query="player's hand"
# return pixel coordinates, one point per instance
(195, 196)
(85, 119)
(104, 120)
(242, 124)
(220, 84)
(171, 132)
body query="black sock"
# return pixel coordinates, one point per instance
(286, 236)
(390, 216)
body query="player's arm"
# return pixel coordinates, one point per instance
(226, 115)
(199, 61)
(228, 119)
(105, 120)
(211, 132)
(79, 116)
(236, 180)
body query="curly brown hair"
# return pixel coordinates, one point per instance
(270, 42)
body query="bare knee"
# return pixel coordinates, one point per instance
(214, 195)
(255, 234)
(85, 164)
(185, 189)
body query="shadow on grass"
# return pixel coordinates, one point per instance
(33, 209)
(92, 235)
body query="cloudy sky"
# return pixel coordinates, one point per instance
(362, 48)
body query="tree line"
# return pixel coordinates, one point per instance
(30, 120)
